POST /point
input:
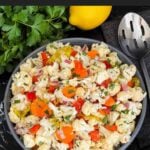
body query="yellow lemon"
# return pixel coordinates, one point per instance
(88, 17)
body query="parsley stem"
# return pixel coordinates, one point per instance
(24, 23)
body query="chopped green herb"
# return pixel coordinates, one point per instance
(132, 113)
(106, 93)
(105, 120)
(84, 53)
(16, 101)
(71, 91)
(111, 86)
(125, 111)
(67, 118)
(113, 107)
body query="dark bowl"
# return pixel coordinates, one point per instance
(74, 41)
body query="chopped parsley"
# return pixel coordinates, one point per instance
(71, 91)
(67, 118)
(125, 111)
(132, 113)
(16, 101)
(112, 86)
(105, 120)
(113, 107)
(84, 53)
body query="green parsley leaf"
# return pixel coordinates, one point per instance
(105, 120)
(125, 111)
(2, 20)
(33, 37)
(113, 107)
(16, 101)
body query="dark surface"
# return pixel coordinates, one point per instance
(108, 33)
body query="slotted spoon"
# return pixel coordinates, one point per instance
(134, 39)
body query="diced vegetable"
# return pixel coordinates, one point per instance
(79, 70)
(105, 111)
(95, 135)
(34, 129)
(69, 91)
(107, 64)
(73, 53)
(35, 79)
(52, 88)
(111, 127)
(106, 83)
(40, 109)
(44, 58)
(78, 104)
(65, 134)
(31, 96)
(92, 54)
(110, 102)
(131, 83)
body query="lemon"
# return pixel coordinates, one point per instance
(88, 17)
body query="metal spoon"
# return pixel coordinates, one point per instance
(134, 39)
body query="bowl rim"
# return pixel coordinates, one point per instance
(79, 41)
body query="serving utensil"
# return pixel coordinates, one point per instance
(134, 39)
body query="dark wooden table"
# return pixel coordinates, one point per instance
(107, 33)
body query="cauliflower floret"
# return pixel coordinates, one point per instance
(85, 60)
(53, 70)
(128, 71)
(44, 147)
(80, 92)
(42, 140)
(46, 124)
(20, 102)
(73, 82)
(22, 80)
(113, 73)
(65, 73)
(83, 135)
(113, 116)
(82, 145)
(27, 66)
(13, 117)
(138, 94)
(81, 125)
(135, 107)
(31, 120)
(120, 107)
(66, 63)
(28, 140)
(42, 82)
(124, 96)
(114, 88)
(102, 76)
(125, 138)
(89, 108)
(102, 48)
(125, 127)
(114, 59)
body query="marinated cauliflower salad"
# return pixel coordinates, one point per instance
(75, 98)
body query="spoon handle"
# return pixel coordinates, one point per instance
(146, 76)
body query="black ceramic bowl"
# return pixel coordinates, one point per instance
(73, 41)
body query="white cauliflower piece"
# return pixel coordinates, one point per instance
(85, 60)
(124, 127)
(81, 125)
(42, 82)
(80, 92)
(53, 70)
(128, 71)
(42, 140)
(73, 82)
(22, 79)
(28, 140)
(44, 147)
(102, 48)
(102, 76)
(31, 120)
(138, 94)
(120, 107)
(65, 73)
(135, 107)
(89, 108)
(114, 59)
(114, 88)
(124, 96)
(125, 138)
(27, 66)
(13, 117)
(113, 116)
(82, 145)
(113, 73)
(20, 102)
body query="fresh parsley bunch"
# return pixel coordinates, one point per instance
(23, 28)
